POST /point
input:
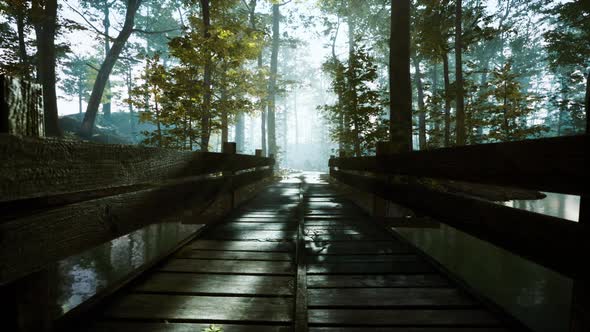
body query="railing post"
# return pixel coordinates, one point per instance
(380, 205)
(230, 148)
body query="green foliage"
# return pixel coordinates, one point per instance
(172, 98)
(357, 118)
(507, 108)
(79, 76)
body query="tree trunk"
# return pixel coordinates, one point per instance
(45, 18)
(272, 143)
(434, 88)
(400, 87)
(106, 107)
(460, 125)
(22, 46)
(447, 100)
(107, 66)
(206, 116)
(252, 8)
(587, 98)
(352, 106)
(421, 110)
(240, 132)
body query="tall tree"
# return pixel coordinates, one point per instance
(400, 88)
(107, 66)
(205, 117)
(460, 102)
(44, 17)
(78, 78)
(272, 81)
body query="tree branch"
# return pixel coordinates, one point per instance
(153, 32)
(88, 22)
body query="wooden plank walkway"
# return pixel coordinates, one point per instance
(297, 258)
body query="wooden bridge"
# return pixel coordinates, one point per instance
(291, 255)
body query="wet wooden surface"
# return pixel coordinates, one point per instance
(245, 275)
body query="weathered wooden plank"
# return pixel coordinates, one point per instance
(228, 266)
(118, 326)
(355, 247)
(559, 161)
(376, 281)
(528, 234)
(359, 258)
(410, 267)
(202, 308)
(388, 297)
(235, 255)
(344, 235)
(408, 329)
(252, 235)
(242, 245)
(34, 167)
(258, 226)
(216, 284)
(456, 318)
(32, 242)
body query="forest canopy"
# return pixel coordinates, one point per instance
(287, 76)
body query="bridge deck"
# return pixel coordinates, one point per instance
(276, 267)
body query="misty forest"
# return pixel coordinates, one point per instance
(301, 80)
(294, 165)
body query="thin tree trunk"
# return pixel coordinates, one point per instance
(587, 98)
(22, 46)
(460, 125)
(400, 91)
(421, 110)
(447, 137)
(252, 9)
(107, 66)
(353, 104)
(106, 107)
(206, 116)
(272, 143)
(434, 91)
(240, 132)
(45, 18)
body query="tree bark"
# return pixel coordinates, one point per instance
(587, 98)
(400, 87)
(22, 46)
(106, 106)
(45, 18)
(240, 132)
(106, 67)
(272, 143)
(447, 137)
(206, 116)
(252, 9)
(421, 110)
(460, 125)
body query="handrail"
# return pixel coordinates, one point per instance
(541, 164)
(555, 243)
(93, 193)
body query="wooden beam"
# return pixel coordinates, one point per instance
(550, 164)
(33, 167)
(30, 243)
(552, 242)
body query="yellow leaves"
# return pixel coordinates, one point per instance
(224, 34)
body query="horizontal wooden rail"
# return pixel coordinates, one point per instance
(550, 164)
(59, 198)
(552, 242)
(34, 167)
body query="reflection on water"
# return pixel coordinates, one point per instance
(538, 297)
(82, 276)
(557, 205)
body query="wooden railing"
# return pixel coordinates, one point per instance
(553, 164)
(59, 198)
